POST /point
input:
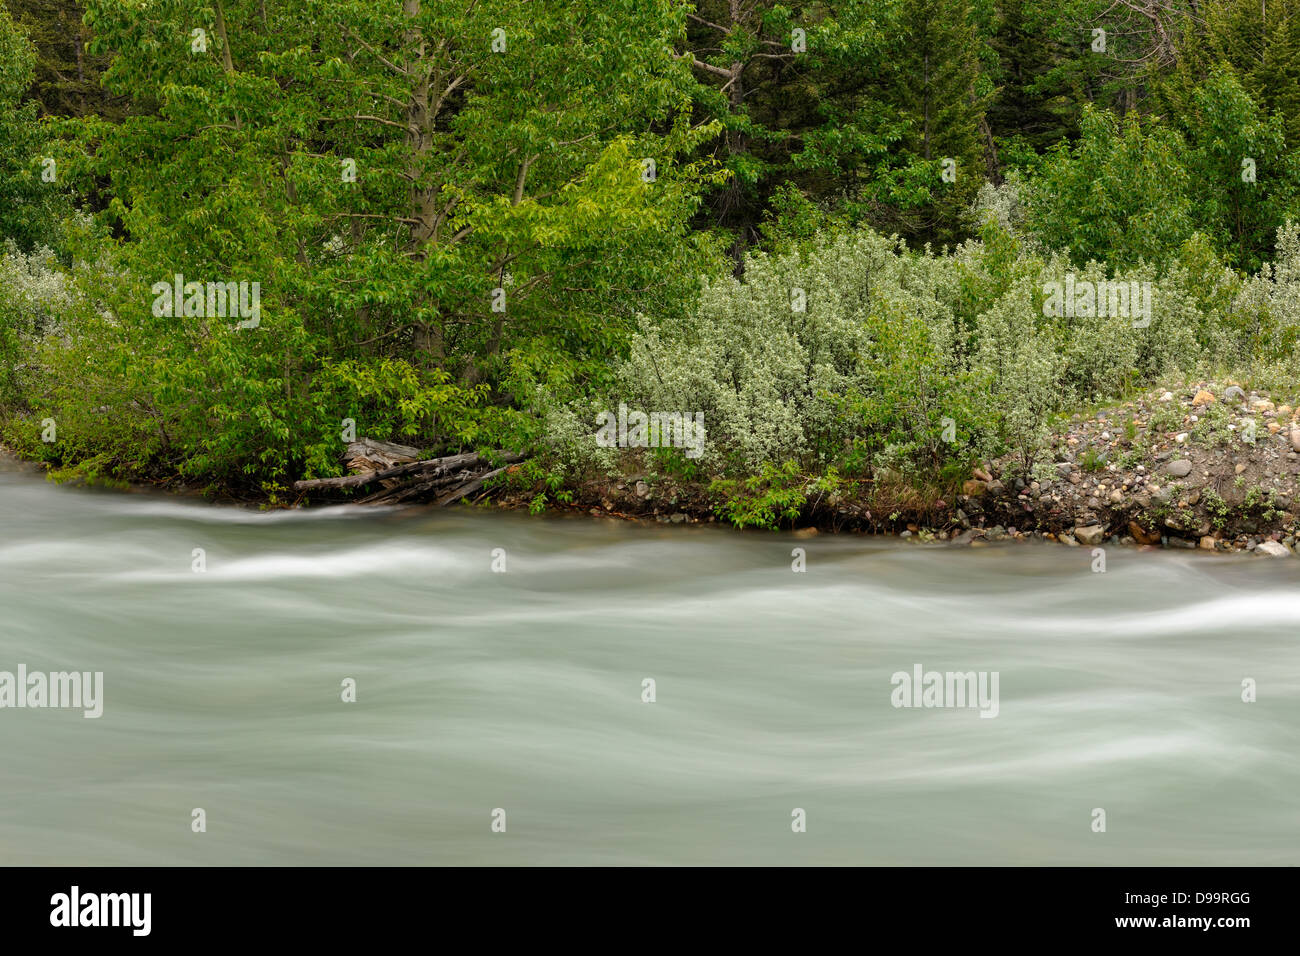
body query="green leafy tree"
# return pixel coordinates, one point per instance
(1119, 195)
(28, 185)
(446, 205)
(1242, 175)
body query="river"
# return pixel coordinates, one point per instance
(481, 690)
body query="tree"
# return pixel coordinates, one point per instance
(67, 76)
(445, 204)
(29, 185)
(1120, 195)
(1244, 179)
(937, 85)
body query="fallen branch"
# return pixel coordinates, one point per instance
(449, 463)
(404, 478)
(469, 488)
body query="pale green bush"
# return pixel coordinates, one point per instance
(918, 362)
(765, 375)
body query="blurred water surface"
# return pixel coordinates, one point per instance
(523, 691)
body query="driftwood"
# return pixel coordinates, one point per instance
(397, 471)
(468, 488)
(370, 455)
(403, 478)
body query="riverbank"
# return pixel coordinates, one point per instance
(1205, 465)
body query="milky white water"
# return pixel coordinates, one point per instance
(523, 691)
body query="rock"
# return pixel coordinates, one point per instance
(642, 489)
(1064, 468)
(1116, 496)
(996, 487)
(982, 475)
(1204, 398)
(973, 488)
(1180, 468)
(1090, 536)
(1234, 393)
(1068, 541)
(1207, 542)
(997, 533)
(1240, 468)
(1295, 438)
(1274, 549)
(965, 538)
(1181, 543)
(677, 517)
(1167, 397)
(1141, 535)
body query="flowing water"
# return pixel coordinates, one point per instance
(523, 691)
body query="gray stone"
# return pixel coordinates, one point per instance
(1090, 536)
(1234, 393)
(1274, 549)
(1180, 468)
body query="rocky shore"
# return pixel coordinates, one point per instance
(1204, 466)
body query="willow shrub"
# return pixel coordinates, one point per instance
(854, 356)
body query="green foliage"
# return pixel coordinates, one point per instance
(1119, 196)
(477, 170)
(798, 268)
(776, 495)
(29, 207)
